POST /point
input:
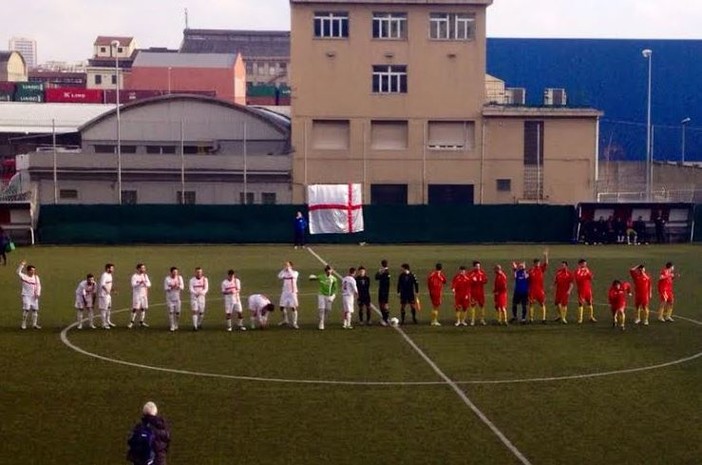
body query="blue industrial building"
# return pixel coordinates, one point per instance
(612, 76)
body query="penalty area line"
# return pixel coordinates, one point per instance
(452, 384)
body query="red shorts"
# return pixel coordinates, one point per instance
(585, 298)
(562, 299)
(462, 302)
(537, 296)
(615, 309)
(641, 301)
(501, 300)
(666, 297)
(478, 298)
(435, 299)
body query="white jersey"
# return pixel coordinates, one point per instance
(257, 302)
(173, 286)
(231, 288)
(85, 293)
(31, 285)
(198, 287)
(289, 277)
(105, 286)
(140, 285)
(348, 286)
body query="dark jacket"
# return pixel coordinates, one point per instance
(407, 286)
(162, 436)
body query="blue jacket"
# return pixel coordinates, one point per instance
(300, 224)
(521, 281)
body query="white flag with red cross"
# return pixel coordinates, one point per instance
(335, 208)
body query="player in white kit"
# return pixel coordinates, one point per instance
(173, 284)
(140, 295)
(231, 289)
(199, 285)
(260, 306)
(85, 300)
(288, 296)
(105, 296)
(31, 291)
(349, 292)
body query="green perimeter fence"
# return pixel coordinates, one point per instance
(177, 224)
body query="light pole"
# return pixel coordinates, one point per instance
(648, 54)
(115, 45)
(684, 124)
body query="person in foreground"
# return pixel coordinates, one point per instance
(150, 438)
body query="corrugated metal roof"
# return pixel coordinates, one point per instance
(36, 118)
(250, 44)
(184, 60)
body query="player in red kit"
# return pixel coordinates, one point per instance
(537, 294)
(478, 280)
(665, 292)
(499, 290)
(460, 285)
(583, 281)
(435, 283)
(642, 292)
(564, 285)
(618, 293)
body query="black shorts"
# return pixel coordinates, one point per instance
(383, 299)
(364, 301)
(407, 300)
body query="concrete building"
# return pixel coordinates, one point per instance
(219, 72)
(266, 54)
(110, 53)
(392, 94)
(174, 149)
(27, 47)
(12, 67)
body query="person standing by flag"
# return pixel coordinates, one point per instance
(435, 283)
(300, 229)
(642, 293)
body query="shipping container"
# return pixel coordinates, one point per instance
(7, 87)
(38, 98)
(126, 96)
(69, 95)
(5, 97)
(29, 87)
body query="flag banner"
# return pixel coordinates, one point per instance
(335, 208)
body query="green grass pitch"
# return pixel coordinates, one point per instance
(63, 407)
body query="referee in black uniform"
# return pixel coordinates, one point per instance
(383, 278)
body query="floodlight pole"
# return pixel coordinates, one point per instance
(648, 54)
(115, 45)
(684, 124)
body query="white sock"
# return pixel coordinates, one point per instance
(24, 316)
(229, 323)
(35, 317)
(133, 317)
(285, 315)
(91, 317)
(109, 315)
(176, 319)
(195, 320)
(322, 314)
(294, 317)
(79, 316)
(103, 314)
(143, 315)
(199, 318)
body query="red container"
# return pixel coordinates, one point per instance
(126, 96)
(7, 87)
(73, 95)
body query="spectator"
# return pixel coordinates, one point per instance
(640, 229)
(601, 235)
(160, 437)
(300, 230)
(620, 229)
(632, 236)
(659, 223)
(4, 245)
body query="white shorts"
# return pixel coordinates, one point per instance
(197, 303)
(324, 302)
(288, 299)
(105, 302)
(173, 306)
(81, 304)
(347, 302)
(232, 304)
(30, 302)
(140, 302)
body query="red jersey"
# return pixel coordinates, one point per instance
(617, 296)
(583, 279)
(435, 282)
(563, 281)
(478, 280)
(665, 281)
(499, 289)
(461, 285)
(536, 277)
(642, 285)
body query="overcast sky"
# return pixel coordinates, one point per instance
(66, 29)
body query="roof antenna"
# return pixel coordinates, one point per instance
(187, 23)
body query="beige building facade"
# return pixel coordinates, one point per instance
(392, 94)
(12, 67)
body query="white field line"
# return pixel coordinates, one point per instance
(462, 395)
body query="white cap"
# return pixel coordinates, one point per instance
(150, 409)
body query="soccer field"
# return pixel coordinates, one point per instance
(541, 394)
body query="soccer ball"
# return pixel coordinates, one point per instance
(394, 321)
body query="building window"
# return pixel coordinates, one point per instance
(451, 26)
(168, 149)
(283, 67)
(388, 194)
(388, 135)
(389, 79)
(98, 79)
(389, 25)
(129, 197)
(246, 199)
(120, 49)
(103, 49)
(451, 194)
(128, 148)
(68, 194)
(331, 24)
(451, 135)
(504, 185)
(114, 79)
(271, 69)
(188, 199)
(330, 134)
(249, 67)
(153, 149)
(104, 149)
(268, 198)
